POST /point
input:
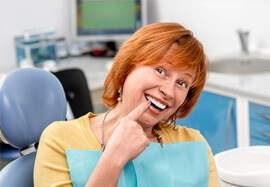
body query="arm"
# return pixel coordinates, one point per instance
(51, 167)
(127, 141)
(106, 172)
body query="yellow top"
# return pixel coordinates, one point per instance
(51, 168)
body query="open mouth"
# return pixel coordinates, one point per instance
(156, 103)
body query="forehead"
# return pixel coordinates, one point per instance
(174, 61)
(177, 57)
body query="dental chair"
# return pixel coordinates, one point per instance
(30, 99)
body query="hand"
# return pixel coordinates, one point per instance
(128, 140)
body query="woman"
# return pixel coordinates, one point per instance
(157, 76)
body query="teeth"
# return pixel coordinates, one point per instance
(155, 102)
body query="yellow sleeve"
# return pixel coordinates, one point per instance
(51, 168)
(213, 174)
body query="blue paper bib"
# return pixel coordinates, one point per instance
(177, 164)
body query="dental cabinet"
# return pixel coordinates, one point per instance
(259, 123)
(233, 111)
(215, 117)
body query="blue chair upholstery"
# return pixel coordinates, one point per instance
(30, 99)
(8, 153)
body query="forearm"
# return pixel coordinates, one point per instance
(127, 141)
(106, 172)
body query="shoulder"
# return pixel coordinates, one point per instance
(59, 128)
(181, 134)
(190, 134)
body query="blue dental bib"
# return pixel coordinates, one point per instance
(177, 164)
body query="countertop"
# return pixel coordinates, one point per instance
(255, 86)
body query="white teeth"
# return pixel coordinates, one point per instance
(155, 102)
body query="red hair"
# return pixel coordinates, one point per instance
(147, 47)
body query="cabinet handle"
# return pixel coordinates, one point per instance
(263, 115)
(267, 135)
(229, 113)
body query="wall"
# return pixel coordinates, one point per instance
(214, 22)
(16, 16)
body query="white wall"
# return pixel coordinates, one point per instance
(214, 22)
(16, 16)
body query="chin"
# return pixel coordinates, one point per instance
(148, 121)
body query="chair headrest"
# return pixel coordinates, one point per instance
(30, 100)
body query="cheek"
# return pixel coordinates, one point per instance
(131, 88)
(132, 92)
(137, 84)
(180, 98)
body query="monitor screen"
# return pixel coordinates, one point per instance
(105, 20)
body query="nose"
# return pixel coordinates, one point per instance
(167, 90)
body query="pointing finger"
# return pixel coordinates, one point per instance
(137, 112)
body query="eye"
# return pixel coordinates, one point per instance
(161, 71)
(183, 84)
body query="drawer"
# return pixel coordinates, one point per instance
(259, 134)
(258, 141)
(259, 113)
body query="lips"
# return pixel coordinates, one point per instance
(156, 103)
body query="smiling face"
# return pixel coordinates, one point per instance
(163, 84)
(158, 43)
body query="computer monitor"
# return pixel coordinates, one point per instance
(107, 20)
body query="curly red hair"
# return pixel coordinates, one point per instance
(147, 47)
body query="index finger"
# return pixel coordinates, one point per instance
(137, 112)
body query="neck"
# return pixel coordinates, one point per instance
(148, 131)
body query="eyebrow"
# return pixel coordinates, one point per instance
(189, 75)
(170, 63)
